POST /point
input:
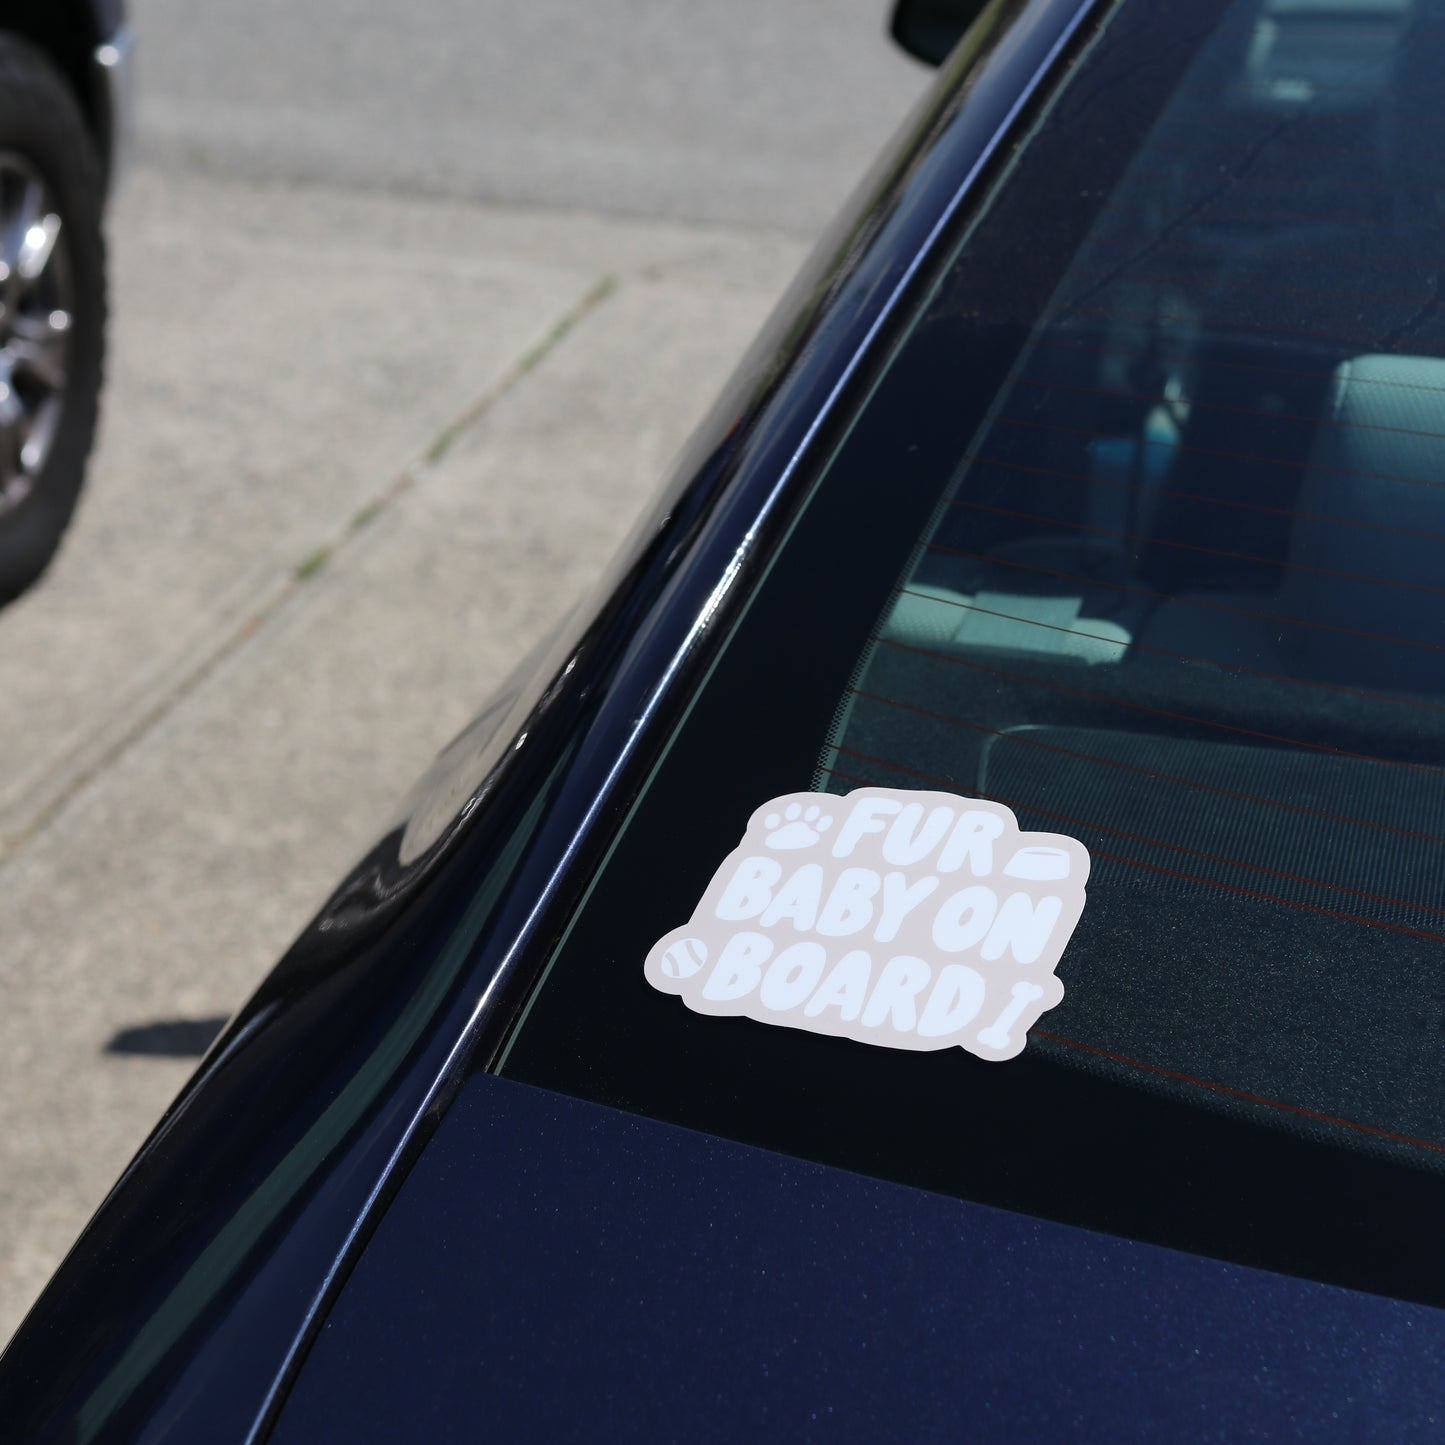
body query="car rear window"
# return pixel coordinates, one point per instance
(1139, 535)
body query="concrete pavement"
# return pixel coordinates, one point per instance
(411, 306)
(408, 439)
(739, 112)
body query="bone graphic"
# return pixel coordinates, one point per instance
(1042, 865)
(996, 1035)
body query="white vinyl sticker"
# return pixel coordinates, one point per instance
(916, 920)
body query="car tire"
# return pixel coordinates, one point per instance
(52, 309)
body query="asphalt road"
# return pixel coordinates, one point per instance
(411, 305)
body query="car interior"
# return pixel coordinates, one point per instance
(1182, 596)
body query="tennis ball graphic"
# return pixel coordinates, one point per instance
(684, 958)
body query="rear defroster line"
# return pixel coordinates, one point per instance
(1160, 1069)
(1240, 1093)
(1020, 803)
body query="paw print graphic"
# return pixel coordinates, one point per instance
(795, 827)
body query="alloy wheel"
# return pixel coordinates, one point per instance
(37, 298)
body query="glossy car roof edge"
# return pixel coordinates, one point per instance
(1077, 12)
(769, 502)
(647, 717)
(784, 481)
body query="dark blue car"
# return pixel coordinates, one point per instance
(951, 945)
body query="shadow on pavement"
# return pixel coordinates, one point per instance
(168, 1038)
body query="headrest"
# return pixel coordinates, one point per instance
(1367, 549)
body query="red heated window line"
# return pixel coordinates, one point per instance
(1199, 722)
(1239, 888)
(1205, 209)
(1238, 1093)
(1097, 530)
(1144, 838)
(1274, 290)
(1140, 591)
(1265, 329)
(1215, 252)
(1182, 656)
(1192, 783)
(1122, 395)
(977, 458)
(1156, 867)
(1204, 363)
(1216, 452)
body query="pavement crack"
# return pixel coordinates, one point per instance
(445, 439)
(289, 583)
